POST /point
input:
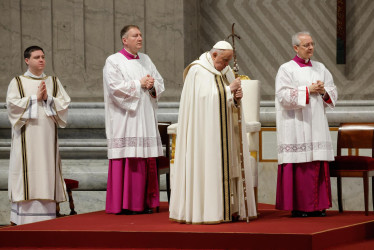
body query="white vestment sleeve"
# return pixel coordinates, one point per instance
(159, 82)
(48, 106)
(20, 110)
(126, 94)
(57, 107)
(289, 94)
(31, 111)
(330, 89)
(229, 95)
(230, 78)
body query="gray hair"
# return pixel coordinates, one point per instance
(219, 51)
(295, 38)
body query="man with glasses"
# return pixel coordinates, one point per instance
(303, 89)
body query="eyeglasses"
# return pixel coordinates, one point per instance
(308, 45)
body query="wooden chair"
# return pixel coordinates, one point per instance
(163, 162)
(354, 136)
(70, 185)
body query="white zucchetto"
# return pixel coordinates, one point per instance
(223, 45)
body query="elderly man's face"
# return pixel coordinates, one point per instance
(306, 47)
(133, 42)
(221, 60)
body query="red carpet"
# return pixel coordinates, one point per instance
(272, 230)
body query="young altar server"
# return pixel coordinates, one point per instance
(36, 105)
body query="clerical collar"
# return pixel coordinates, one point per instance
(302, 62)
(128, 55)
(29, 74)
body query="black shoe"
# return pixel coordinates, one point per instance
(234, 217)
(148, 211)
(120, 213)
(296, 213)
(303, 214)
(128, 212)
(318, 213)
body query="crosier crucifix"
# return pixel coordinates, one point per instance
(233, 35)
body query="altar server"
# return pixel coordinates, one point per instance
(304, 89)
(36, 105)
(132, 86)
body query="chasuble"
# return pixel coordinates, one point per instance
(206, 186)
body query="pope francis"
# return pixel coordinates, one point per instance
(206, 183)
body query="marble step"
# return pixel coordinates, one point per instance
(92, 174)
(92, 115)
(69, 148)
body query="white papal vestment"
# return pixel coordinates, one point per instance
(206, 184)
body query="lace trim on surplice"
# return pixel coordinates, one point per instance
(294, 96)
(146, 142)
(304, 147)
(332, 95)
(132, 89)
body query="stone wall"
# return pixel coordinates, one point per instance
(266, 28)
(79, 35)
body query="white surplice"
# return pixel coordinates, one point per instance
(200, 191)
(302, 130)
(35, 164)
(130, 111)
